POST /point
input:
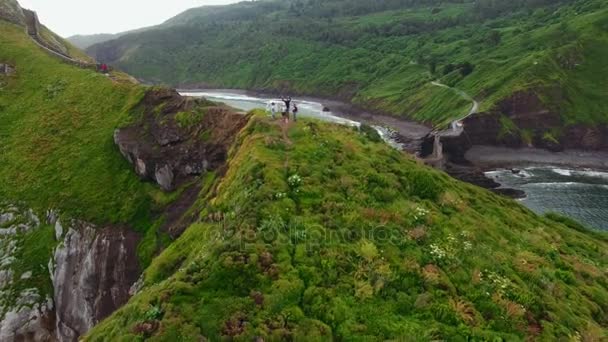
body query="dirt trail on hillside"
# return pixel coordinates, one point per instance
(456, 127)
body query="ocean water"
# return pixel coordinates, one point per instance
(579, 194)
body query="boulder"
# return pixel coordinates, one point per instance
(7, 69)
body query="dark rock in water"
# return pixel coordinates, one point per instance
(471, 175)
(513, 193)
(477, 177)
(515, 171)
(326, 109)
(177, 137)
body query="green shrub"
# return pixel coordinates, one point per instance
(370, 132)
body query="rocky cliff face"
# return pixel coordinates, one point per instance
(82, 273)
(178, 138)
(94, 270)
(11, 11)
(88, 276)
(26, 311)
(522, 121)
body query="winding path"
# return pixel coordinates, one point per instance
(455, 130)
(32, 25)
(456, 127)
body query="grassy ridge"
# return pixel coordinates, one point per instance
(385, 59)
(336, 237)
(56, 128)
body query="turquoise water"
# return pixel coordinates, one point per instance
(579, 194)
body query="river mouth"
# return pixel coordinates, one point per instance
(308, 107)
(581, 194)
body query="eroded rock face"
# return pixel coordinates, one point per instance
(91, 272)
(26, 312)
(11, 11)
(94, 270)
(530, 115)
(168, 149)
(32, 320)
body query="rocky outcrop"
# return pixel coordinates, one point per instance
(90, 273)
(11, 12)
(26, 312)
(94, 270)
(32, 321)
(520, 121)
(7, 69)
(178, 137)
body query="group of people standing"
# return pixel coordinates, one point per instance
(290, 107)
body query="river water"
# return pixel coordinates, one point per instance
(579, 194)
(582, 195)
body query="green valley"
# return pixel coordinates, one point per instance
(383, 55)
(133, 213)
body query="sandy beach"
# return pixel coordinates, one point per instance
(492, 157)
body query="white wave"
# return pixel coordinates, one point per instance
(591, 173)
(222, 96)
(496, 172)
(524, 174)
(562, 172)
(563, 185)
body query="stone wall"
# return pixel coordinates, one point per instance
(6, 69)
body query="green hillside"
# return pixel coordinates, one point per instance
(313, 233)
(56, 132)
(57, 152)
(383, 54)
(330, 236)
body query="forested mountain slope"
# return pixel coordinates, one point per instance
(383, 54)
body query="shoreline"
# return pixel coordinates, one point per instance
(482, 157)
(409, 133)
(491, 158)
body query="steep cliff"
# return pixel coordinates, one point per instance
(11, 12)
(26, 301)
(77, 225)
(60, 295)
